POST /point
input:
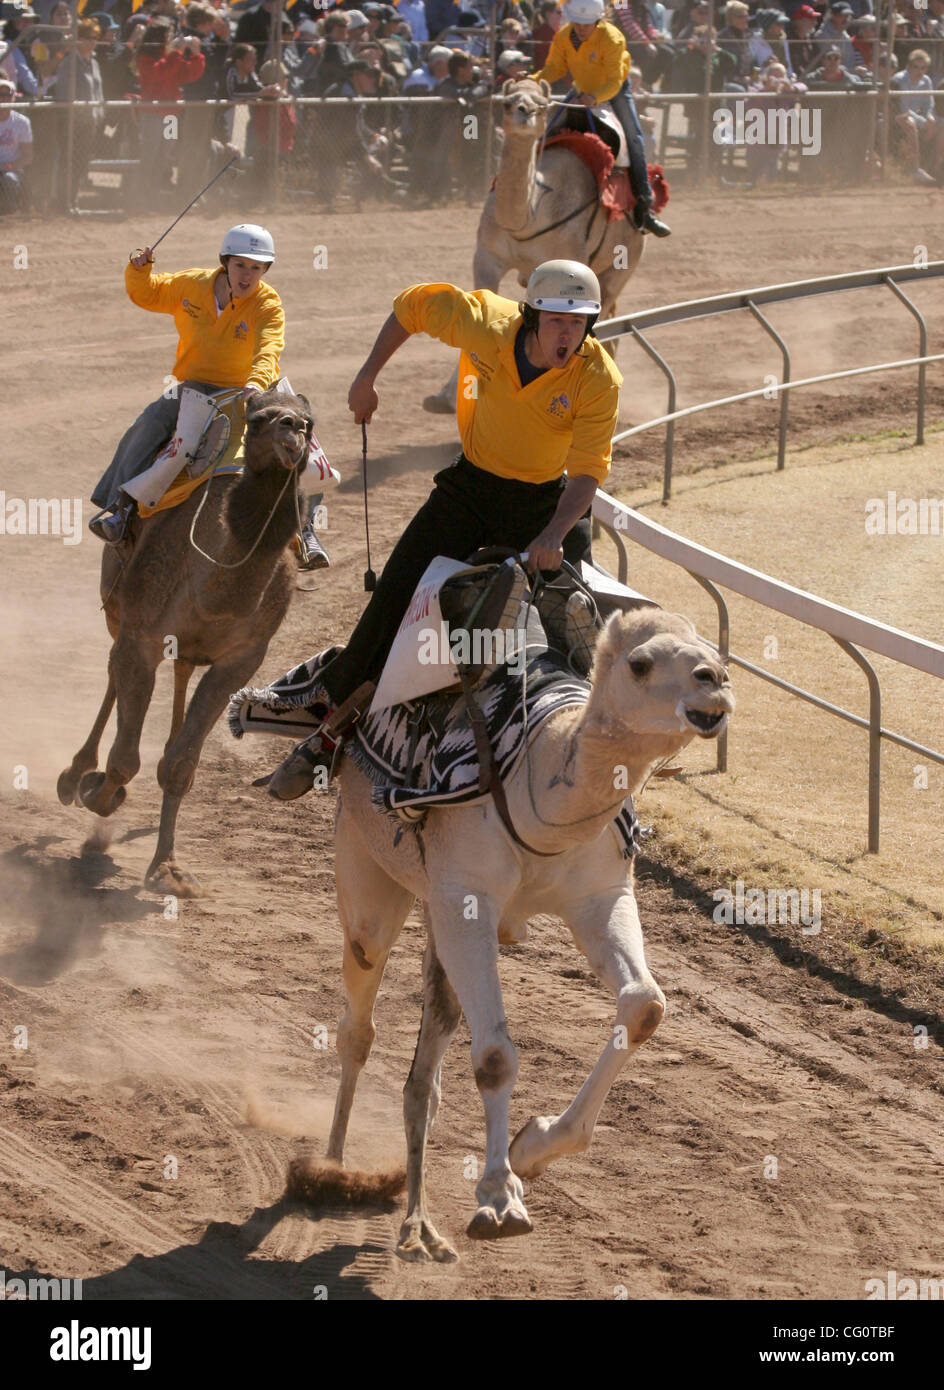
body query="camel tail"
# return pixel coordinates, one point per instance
(320, 1182)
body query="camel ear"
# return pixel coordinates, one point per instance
(506, 86)
(545, 88)
(304, 400)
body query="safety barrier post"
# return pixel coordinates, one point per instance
(784, 395)
(670, 427)
(922, 351)
(875, 740)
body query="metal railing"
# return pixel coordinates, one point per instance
(847, 628)
(889, 277)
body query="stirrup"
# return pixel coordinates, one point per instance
(111, 525)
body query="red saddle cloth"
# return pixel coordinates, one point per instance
(615, 193)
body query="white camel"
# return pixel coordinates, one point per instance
(655, 686)
(556, 193)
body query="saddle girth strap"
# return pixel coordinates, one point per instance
(489, 777)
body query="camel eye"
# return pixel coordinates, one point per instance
(640, 666)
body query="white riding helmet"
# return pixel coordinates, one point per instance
(583, 11)
(563, 287)
(250, 241)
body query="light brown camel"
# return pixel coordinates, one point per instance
(531, 194)
(162, 598)
(655, 686)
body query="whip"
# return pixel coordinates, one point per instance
(370, 579)
(195, 200)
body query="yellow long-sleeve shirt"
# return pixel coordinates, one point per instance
(600, 65)
(237, 346)
(562, 421)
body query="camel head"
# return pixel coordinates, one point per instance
(525, 105)
(653, 675)
(278, 430)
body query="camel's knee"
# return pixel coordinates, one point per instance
(639, 1011)
(175, 775)
(495, 1063)
(355, 1041)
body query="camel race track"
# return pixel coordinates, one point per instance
(780, 1135)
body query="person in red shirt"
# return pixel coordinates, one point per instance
(165, 66)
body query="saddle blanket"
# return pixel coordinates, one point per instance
(612, 183)
(422, 754)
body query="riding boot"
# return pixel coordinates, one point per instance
(644, 220)
(112, 524)
(311, 553)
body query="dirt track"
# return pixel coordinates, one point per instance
(192, 1038)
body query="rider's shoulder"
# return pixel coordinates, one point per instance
(598, 364)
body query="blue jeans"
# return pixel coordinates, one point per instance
(140, 445)
(624, 109)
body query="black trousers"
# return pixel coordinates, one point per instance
(467, 508)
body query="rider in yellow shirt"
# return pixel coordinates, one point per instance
(537, 398)
(594, 55)
(232, 331)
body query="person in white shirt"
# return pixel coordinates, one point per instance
(16, 149)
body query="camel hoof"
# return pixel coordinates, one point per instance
(90, 795)
(171, 878)
(420, 1242)
(487, 1225)
(524, 1155)
(67, 788)
(439, 405)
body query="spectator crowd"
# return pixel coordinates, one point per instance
(156, 91)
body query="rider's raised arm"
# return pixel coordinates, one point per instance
(456, 317)
(161, 294)
(269, 344)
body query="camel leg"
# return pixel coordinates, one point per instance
(179, 766)
(606, 928)
(469, 954)
(87, 757)
(183, 670)
(131, 670)
(419, 1239)
(372, 907)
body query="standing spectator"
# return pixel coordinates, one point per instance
(79, 68)
(262, 115)
(48, 52)
(834, 33)
(13, 63)
(543, 33)
(242, 84)
(865, 42)
(414, 12)
(769, 44)
(936, 36)
(916, 121)
(735, 38)
(16, 150)
(165, 66)
(700, 56)
(201, 122)
(647, 49)
(762, 160)
(254, 27)
(461, 83)
(844, 124)
(441, 15)
(803, 46)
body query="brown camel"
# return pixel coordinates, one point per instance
(162, 598)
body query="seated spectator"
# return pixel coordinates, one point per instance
(647, 48)
(804, 48)
(510, 66)
(916, 122)
(543, 33)
(425, 78)
(865, 43)
(16, 150)
(769, 43)
(735, 39)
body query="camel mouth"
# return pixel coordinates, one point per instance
(705, 724)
